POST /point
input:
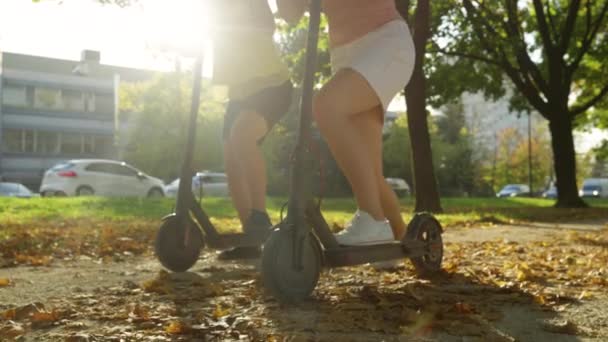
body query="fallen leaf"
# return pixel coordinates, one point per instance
(5, 282)
(219, 312)
(12, 330)
(177, 327)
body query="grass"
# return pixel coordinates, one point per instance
(457, 211)
(38, 230)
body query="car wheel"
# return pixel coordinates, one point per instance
(155, 193)
(85, 191)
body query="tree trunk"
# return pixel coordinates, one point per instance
(562, 143)
(425, 184)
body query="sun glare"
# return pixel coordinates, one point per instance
(176, 26)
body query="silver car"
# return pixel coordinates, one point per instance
(205, 183)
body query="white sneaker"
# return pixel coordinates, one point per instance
(363, 229)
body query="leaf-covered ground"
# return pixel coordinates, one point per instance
(502, 283)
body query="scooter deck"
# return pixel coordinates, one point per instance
(357, 255)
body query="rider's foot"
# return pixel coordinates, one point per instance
(363, 229)
(258, 223)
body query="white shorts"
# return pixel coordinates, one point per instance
(384, 57)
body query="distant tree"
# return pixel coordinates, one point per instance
(553, 51)
(157, 113)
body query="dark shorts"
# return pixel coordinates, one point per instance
(271, 103)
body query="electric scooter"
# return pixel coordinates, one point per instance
(302, 244)
(180, 240)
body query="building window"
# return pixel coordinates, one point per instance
(89, 102)
(29, 140)
(73, 100)
(12, 140)
(47, 98)
(89, 144)
(47, 142)
(71, 143)
(13, 95)
(104, 144)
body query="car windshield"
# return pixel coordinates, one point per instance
(511, 188)
(9, 188)
(592, 188)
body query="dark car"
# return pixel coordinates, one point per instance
(14, 190)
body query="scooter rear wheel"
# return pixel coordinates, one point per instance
(425, 228)
(286, 283)
(174, 251)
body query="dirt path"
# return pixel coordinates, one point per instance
(134, 300)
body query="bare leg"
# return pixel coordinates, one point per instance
(245, 166)
(369, 125)
(346, 95)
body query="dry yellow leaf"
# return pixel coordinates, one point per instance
(584, 295)
(177, 327)
(219, 312)
(43, 317)
(5, 282)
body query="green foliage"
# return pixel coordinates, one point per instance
(292, 42)
(512, 159)
(485, 41)
(158, 114)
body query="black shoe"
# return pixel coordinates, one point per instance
(237, 253)
(257, 224)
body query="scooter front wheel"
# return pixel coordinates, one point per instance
(425, 228)
(282, 277)
(178, 243)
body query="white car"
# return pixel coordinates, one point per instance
(514, 190)
(399, 185)
(88, 177)
(14, 190)
(205, 183)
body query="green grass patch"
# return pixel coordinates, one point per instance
(457, 211)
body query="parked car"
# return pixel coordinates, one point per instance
(514, 190)
(399, 185)
(14, 190)
(88, 177)
(551, 192)
(594, 187)
(205, 183)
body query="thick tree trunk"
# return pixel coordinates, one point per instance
(425, 184)
(564, 158)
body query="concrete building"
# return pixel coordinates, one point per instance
(53, 110)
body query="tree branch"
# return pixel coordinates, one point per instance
(523, 58)
(469, 56)
(551, 20)
(590, 34)
(519, 78)
(581, 109)
(542, 26)
(575, 5)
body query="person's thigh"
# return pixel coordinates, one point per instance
(346, 93)
(248, 128)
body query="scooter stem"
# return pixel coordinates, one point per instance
(185, 183)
